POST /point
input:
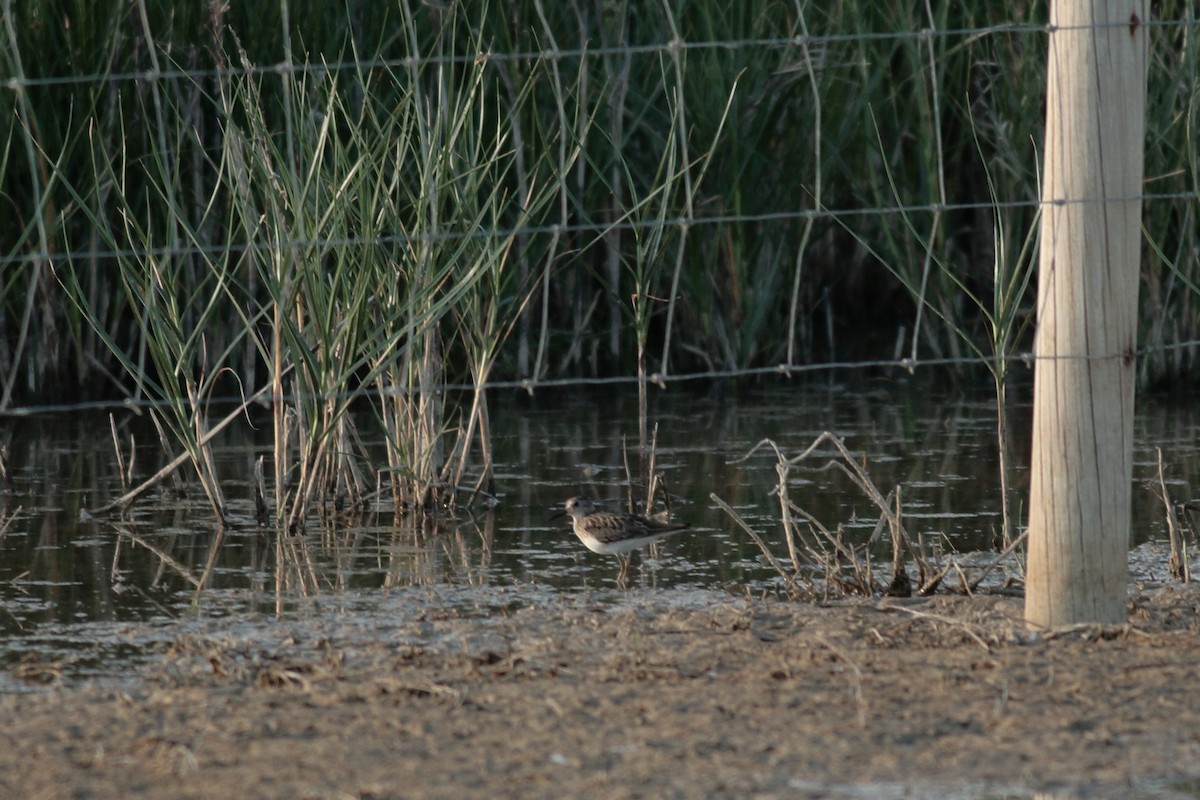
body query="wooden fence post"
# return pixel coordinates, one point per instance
(1081, 471)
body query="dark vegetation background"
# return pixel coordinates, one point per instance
(867, 192)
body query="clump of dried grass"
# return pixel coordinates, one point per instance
(192, 659)
(822, 560)
(1178, 516)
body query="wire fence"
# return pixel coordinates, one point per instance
(626, 226)
(658, 380)
(827, 198)
(810, 41)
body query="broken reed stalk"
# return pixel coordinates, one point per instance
(650, 472)
(1177, 561)
(860, 579)
(1186, 510)
(7, 520)
(928, 578)
(127, 499)
(789, 528)
(348, 479)
(642, 489)
(487, 478)
(959, 624)
(205, 466)
(279, 424)
(998, 560)
(830, 552)
(124, 467)
(900, 586)
(262, 511)
(844, 568)
(790, 577)
(177, 490)
(842, 564)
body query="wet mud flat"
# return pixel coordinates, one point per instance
(646, 697)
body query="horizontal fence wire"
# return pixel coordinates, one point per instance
(560, 54)
(660, 380)
(633, 226)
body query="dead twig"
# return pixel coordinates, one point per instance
(860, 581)
(788, 577)
(937, 618)
(1177, 562)
(1017, 542)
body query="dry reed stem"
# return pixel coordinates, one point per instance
(124, 469)
(1177, 562)
(1004, 554)
(6, 520)
(861, 580)
(127, 499)
(788, 577)
(205, 466)
(261, 511)
(653, 479)
(900, 586)
(975, 637)
(648, 478)
(177, 489)
(1185, 511)
(929, 579)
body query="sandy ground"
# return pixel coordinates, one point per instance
(946, 697)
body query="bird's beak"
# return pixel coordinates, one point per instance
(562, 512)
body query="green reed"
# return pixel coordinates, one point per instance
(1170, 291)
(854, 121)
(352, 238)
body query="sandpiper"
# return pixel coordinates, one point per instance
(614, 532)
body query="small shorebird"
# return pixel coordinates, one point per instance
(614, 532)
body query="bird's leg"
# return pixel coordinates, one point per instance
(623, 560)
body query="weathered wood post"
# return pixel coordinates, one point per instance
(1081, 472)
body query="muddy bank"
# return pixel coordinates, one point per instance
(645, 698)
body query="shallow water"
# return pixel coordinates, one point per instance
(97, 591)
